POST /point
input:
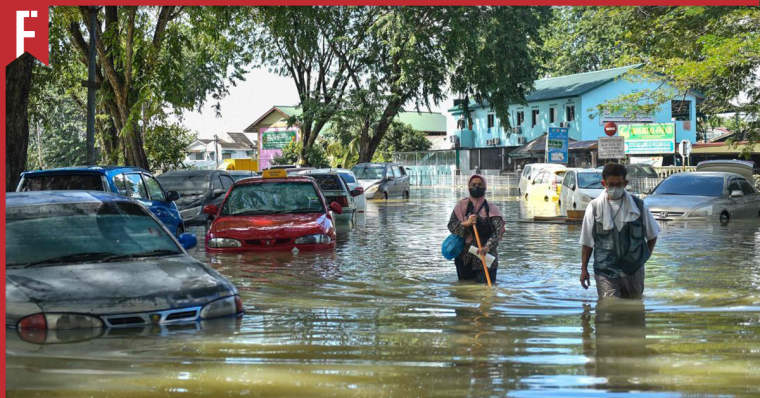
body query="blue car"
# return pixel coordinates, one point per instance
(132, 182)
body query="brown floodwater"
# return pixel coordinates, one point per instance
(385, 316)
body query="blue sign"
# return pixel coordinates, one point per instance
(556, 145)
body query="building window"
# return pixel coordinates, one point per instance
(211, 156)
(460, 124)
(520, 118)
(533, 118)
(197, 156)
(226, 156)
(680, 110)
(570, 113)
(552, 114)
(490, 121)
(249, 154)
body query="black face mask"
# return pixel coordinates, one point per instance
(477, 192)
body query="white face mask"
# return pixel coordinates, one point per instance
(615, 193)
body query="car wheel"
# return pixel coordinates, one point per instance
(385, 195)
(724, 217)
(546, 198)
(574, 206)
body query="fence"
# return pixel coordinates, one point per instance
(670, 170)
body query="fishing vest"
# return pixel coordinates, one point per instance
(620, 252)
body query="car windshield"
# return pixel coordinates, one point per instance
(63, 182)
(368, 173)
(348, 178)
(53, 234)
(590, 180)
(691, 185)
(240, 176)
(649, 171)
(194, 184)
(272, 198)
(328, 182)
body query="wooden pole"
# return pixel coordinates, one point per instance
(482, 257)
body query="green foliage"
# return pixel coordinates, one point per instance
(291, 155)
(400, 138)
(166, 145)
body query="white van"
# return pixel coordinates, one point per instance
(531, 171)
(580, 187)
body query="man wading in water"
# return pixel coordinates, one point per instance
(475, 210)
(621, 232)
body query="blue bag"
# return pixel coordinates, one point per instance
(452, 246)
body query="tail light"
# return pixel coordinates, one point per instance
(36, 321)
(341, 200)
(239, 304)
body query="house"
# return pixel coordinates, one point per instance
(210, 153)
(274, 133)
(567, 101)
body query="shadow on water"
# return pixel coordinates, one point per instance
(385, 316)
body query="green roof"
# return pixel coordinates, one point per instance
(289, 110)
(569, 85)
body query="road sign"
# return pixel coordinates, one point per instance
(684, 148)
(611, 147)
(610, 128)
(557, 145)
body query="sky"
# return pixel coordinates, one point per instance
(248, 101)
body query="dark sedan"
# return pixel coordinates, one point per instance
(197, 188)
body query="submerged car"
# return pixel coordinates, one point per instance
(197, 188)
(132, 182)
(580, 187)
(685, 196)
(274, 213)
(86, 259)
(547, 185)
(382, 180)
(336, 188)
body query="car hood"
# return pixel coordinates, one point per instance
(150, 284)
(676, 203)
(368, 183)
(278, 226)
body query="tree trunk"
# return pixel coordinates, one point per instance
(18, 84)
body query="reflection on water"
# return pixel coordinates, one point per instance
(385, 316)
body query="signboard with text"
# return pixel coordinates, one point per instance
(611, 147)
(652, 138)
(277, 139)
(557, 145)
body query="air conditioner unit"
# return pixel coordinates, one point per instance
(520, 140)
(517, 130)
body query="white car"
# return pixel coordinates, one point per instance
(349, 178)
(530, 172)
(579, 188)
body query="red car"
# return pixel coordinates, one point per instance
(273, 213)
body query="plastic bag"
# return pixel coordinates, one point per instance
(452, 246)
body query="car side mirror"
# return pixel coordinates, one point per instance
(357, 191)
(188, 241)
(171, 196)
(336, 208)
(737, 194)
(219, 192)
(391, 178)
(649, 191)
(210, 210)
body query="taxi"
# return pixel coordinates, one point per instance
(547, 185)
(276, 212)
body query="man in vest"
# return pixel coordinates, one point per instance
(621, 232)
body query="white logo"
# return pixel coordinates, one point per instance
(21, 34)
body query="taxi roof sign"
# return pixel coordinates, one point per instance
(275, 173)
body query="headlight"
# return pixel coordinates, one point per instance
(313, 239)
(60, 322)
(371, 189)
(704, 211)
(223, 242)
(191, 212)
(227, 306)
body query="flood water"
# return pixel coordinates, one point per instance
(385, 316)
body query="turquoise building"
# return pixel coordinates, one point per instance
(566, 101)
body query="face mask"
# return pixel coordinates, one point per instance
(477, 192)
(615, 193)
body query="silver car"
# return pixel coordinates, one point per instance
(85, 259)
(686, 196)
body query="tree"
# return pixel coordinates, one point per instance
(18, 82)
(293, 152)
(151, 60)
(400, 138)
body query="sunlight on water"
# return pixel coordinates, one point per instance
(385, 316)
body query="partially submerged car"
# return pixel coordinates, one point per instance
(132, 182)
(276, 212)
(382, 180)
(547, 185)
(197, 188)
(580, 187)
(684, 196)
(531, 171)
(86, 259)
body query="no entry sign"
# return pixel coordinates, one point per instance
(610, 128)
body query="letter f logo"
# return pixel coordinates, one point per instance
(21, 34)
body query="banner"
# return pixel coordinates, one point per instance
(645, 139)
(277, 139)
(557, 145)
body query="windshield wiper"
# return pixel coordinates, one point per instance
(71, 258)
(151, 253)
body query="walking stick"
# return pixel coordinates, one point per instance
(482, 257)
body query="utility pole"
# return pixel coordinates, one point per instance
(216, 150)
(92, 87)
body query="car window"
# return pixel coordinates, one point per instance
(733, 185)
(590, 180)
(686, 184)
(746, 187)
(216, 183)
(347, 177)
(541, 178)
(328, 182)
(184, 184)
(568, 180)
(396, 172)
(273, 197)
(68, 182)
(154, 189)
(90, 231)
(368, 173)
(648, 171)
(226, 182)
(135, 187)
(526, 173)
(121, 184)
(402, 169)
(559, 176)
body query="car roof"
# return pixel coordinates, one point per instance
(705, 174)
(30, 198)
(103, 170)
(184, 173)
(335, 170)
(586, 170)
(261, 180)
